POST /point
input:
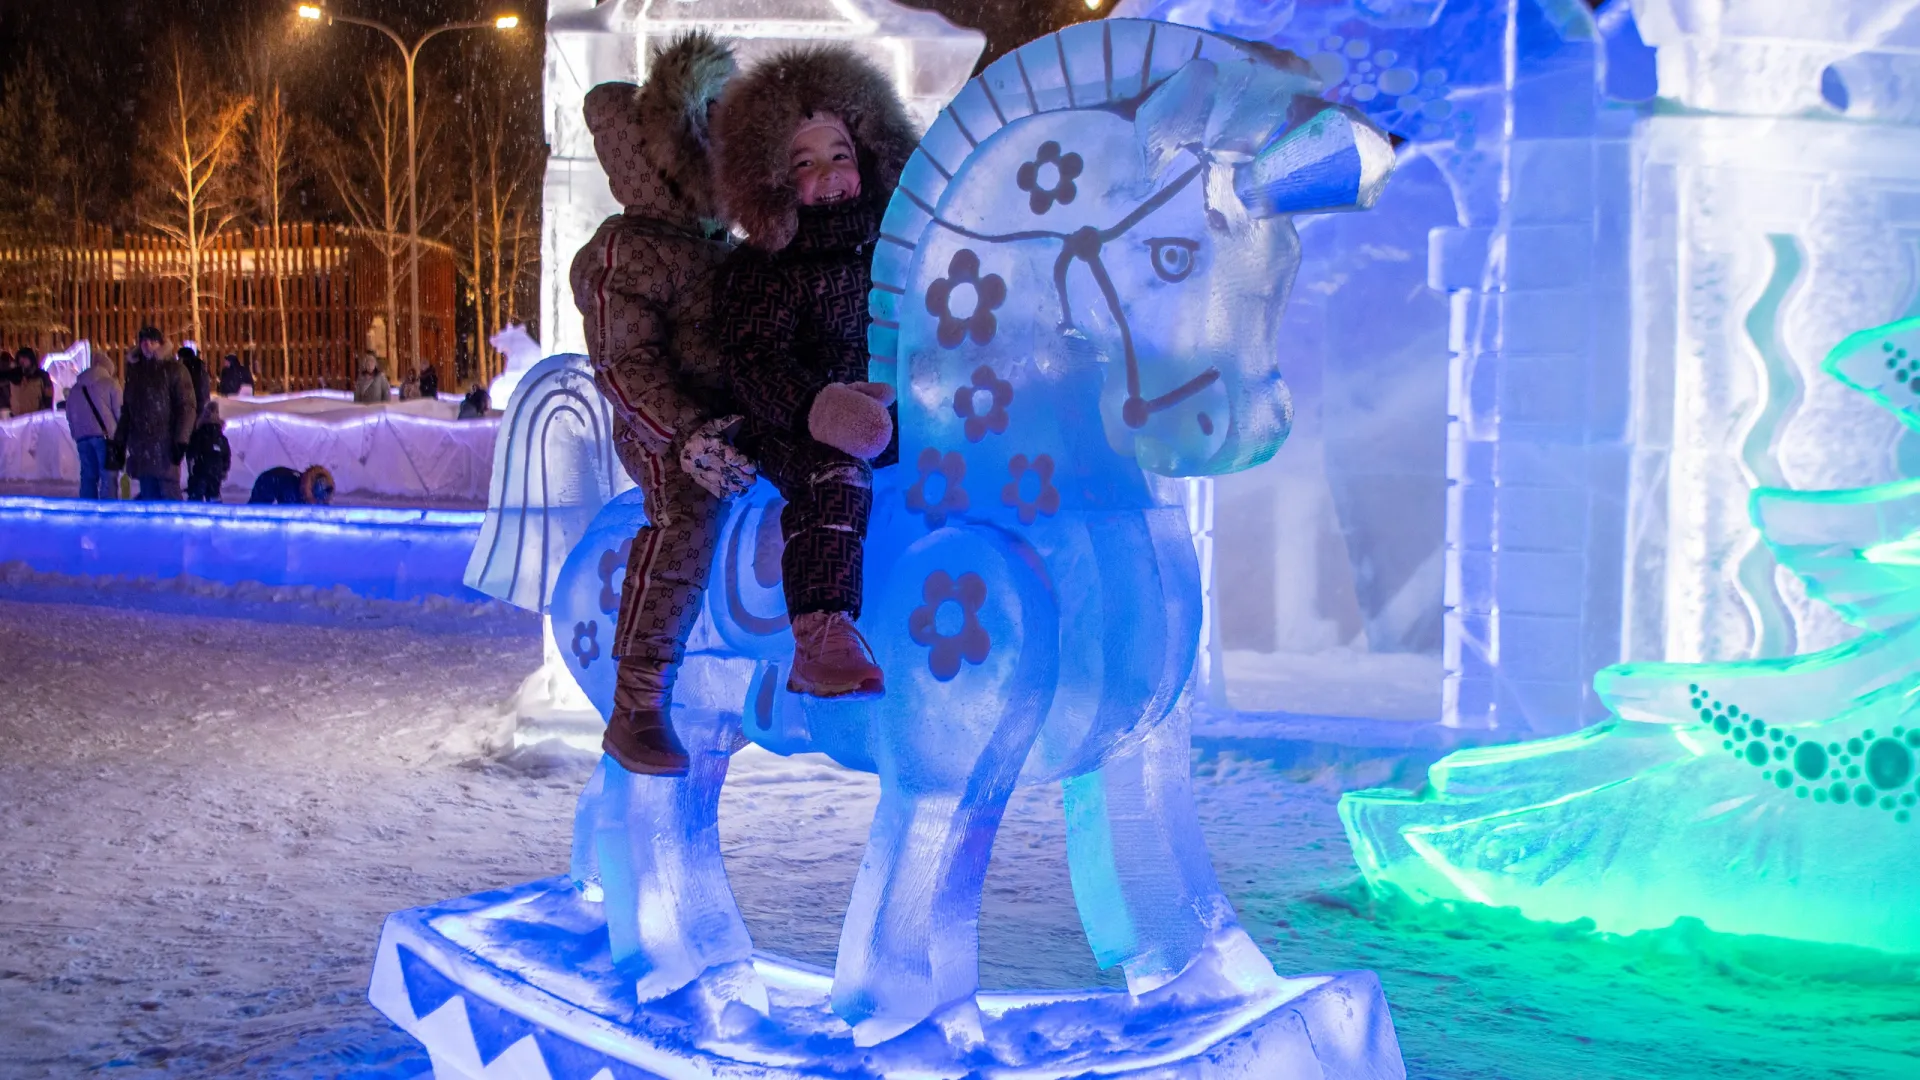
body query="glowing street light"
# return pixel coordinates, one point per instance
(409, 53)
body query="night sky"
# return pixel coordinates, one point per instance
(101, 53)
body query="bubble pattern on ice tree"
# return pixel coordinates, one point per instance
(1865, 770)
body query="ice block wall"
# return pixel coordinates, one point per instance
(1777, 211)
(594, 41)
(1461, 351)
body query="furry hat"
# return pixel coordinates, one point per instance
(761, 111)
(652, 139)
(316, 486)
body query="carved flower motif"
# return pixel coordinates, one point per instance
(978, 297)
(1046, 497)
(940, 474)
(613, 574)
(1066, 169)
(969, 641)
(586, 642)
(985, 415)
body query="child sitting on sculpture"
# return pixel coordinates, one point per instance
(645, 288)
(809, 147)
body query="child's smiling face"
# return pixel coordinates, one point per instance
(822, 164)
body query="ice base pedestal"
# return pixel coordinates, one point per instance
(518, 984)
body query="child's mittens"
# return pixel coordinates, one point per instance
(852, 418)
(712, 461)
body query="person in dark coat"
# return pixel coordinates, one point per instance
(208, 456)
(810, 144)
(281, 486)
(233, 376)
(429, 383)
(475, 405)
(202, 379)
(157, 417)
(30, 389)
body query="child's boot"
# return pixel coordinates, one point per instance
(831, 659)
(640, 735)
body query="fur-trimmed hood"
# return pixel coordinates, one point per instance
(652, 139)
(760, 112)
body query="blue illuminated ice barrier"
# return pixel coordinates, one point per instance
(374, 553)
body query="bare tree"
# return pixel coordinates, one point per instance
(501, 157)
(368, 171)
(192, 194)
(272, 166)
(273, 169)
(37, 168)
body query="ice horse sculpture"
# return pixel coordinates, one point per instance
(1770, 797)
(1077, 290)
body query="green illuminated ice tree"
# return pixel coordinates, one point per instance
(1769, 797)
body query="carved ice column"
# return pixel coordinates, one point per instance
(1776, 213)
(1537, 456)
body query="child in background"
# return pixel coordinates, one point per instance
(810, 145)
(281, 486)
(208, 456)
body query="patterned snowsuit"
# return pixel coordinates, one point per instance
(794, 306)
(644, 284)
(793, 321)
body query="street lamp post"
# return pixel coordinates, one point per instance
(410, 54)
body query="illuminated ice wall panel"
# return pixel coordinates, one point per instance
(1778, 210)
(589, 43)
(372, 553)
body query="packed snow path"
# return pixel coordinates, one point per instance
(203, 820)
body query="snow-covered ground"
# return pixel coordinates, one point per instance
(204, 817)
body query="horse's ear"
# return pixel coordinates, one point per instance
(1174, 116)
(1334, 161)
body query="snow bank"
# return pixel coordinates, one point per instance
(408, 449)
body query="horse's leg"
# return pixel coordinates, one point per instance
(655, 842)
(910, 944)
(1142, 878)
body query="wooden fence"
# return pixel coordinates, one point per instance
(107, 287)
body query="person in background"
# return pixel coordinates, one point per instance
(208, 456)
(281, 486)
(233, 376)
(9, 376)
(93, 409)
(371, 388)
(475, 405)
(430, 383)
(30, 389)
(156, 417)
(197, 372)
(409, 388)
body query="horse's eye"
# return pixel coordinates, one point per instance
(1173, 257)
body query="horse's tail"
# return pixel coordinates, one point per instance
(554, 467)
